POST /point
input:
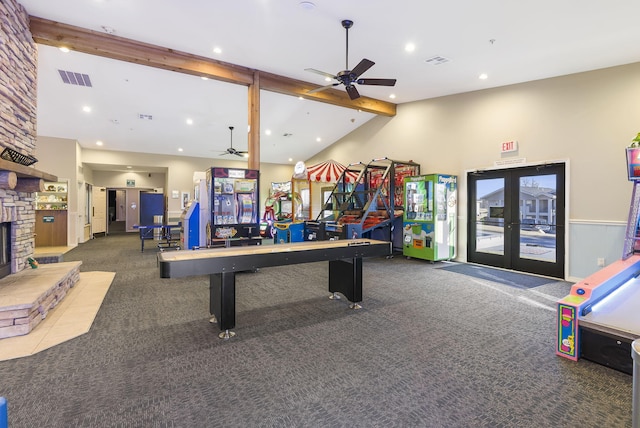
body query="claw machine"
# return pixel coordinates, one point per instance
(430, 215)
(233, 207)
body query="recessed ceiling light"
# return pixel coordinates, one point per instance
(307, 5)
(267, 132)
(189, 121)
(483, 76)
(217, 50)
(129, 167)
(64, 49)
(180, 149)
(204, 78)
(99, 143)
(409, 47)
(318, 139)
(392, 96)
(86, 109)
(290, 159)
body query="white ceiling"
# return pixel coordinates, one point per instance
(511, 41)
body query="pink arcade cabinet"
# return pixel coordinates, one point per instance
(599, 319)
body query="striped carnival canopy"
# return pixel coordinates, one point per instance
(329, 172)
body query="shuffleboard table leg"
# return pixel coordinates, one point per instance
(222, 301)
(345, 276)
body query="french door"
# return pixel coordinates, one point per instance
(517, 217)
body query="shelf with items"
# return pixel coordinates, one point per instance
(54, 197)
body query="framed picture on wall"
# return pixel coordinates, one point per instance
(184, 200)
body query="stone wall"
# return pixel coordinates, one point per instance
(18, 101)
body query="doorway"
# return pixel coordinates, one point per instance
(517, 219)
(116, 212)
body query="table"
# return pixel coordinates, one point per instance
(166, 238)
(221, 264)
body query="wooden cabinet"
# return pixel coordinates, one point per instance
(51, 228)
(51, 215)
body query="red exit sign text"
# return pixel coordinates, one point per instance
(509, 146)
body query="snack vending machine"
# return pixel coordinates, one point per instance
(233, 204)
(430, 216)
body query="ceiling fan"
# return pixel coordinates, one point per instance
(349, 77)
(232, 151)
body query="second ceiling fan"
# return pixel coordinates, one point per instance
(350, 77)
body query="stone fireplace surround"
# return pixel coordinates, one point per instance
(18, 183)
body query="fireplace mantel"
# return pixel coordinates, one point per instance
(25, 171)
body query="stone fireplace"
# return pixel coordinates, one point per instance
(18, 183)
(27, 294)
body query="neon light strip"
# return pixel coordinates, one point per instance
(611, 295)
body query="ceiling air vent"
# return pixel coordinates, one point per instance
(71, 78)
(436, 60)
(145, 116)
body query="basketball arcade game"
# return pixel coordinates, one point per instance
(599, 319)
(369, 206)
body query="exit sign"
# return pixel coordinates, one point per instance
(509, 146)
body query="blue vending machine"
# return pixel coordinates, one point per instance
(190, 230)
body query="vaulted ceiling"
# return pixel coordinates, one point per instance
(432, 48)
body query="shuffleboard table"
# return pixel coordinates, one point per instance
(221, 264)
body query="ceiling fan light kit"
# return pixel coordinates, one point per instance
(348, 77)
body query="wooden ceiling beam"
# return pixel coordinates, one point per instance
(57, 34)
(288, 86)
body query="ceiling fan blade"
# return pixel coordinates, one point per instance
(379, 82)
(352, 91)
(362, 66)
(322, 88)
(321, 73)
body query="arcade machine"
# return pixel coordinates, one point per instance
(371, 206)
(190, 226)
(233, 207)
(277, 208)
(599, 319)
(429, 220)
(200, 195)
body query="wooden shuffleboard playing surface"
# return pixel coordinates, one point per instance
(219, 260)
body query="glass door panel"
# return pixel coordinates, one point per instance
(490, 216)
(537, 203)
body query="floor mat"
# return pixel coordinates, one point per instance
(513, 279)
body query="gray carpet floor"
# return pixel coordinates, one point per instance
(430, 348)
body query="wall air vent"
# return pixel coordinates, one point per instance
(71, 78)
(436, 60)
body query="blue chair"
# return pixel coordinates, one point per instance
(4, 417)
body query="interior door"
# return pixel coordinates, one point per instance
(99, 210)
(517, 217)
